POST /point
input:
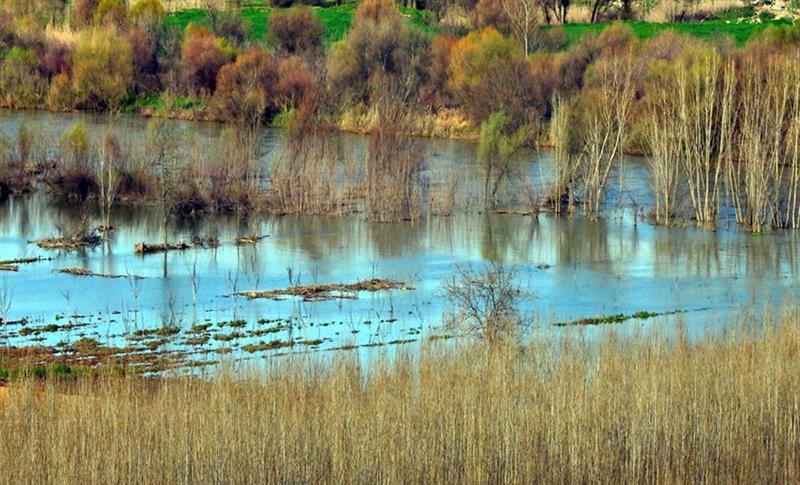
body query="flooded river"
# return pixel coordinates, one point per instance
(569, 269)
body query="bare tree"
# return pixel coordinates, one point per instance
(565, 159)
(484, 301)
(706, 107)
(395, 163)
(606, 128)
(109, 177)
(662, 134)
(765, 149)
(523, 17)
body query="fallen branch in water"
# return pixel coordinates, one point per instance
(327, 291)
(143, 248)
(86, 272)
(244, 240)
(197, 242)
(23, 261)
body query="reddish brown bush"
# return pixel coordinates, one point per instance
(614, 41)
(298, 30)
(379, 47)
(435, 92)
(296, 83)
(203, 57)
(55, 58)
(144, 47)
(246, 88)
(490, 14)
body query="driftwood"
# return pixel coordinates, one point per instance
(245, 240)
(9, 267)
(197, 242)
(143, 248)
(23, 261)
(86, 272)
(70, 242)
(327, 291)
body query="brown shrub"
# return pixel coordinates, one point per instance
(110, 12)
(295, 83)
(489, 73)
(247, 87)
(55, 57)
(435, 92)
(72, 182)
(298, 30)
(490, 14)
(379, 45)
(203, 57)
(84, 11)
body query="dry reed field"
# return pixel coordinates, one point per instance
(653, 407)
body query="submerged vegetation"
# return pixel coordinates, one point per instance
(625, 409)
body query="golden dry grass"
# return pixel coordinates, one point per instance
(638, 409)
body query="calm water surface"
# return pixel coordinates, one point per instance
(569, 268)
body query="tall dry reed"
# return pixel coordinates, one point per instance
(636, 409)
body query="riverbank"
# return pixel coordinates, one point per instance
(643, 408)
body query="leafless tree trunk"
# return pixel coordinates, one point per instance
(523, 15)
(662, 134)
(706, 112)
(606, 129)
(565, 160)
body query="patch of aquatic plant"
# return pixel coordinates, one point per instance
(249, 240)
(233, 324)
(199, 328)
(227, 337)
(197, 341)
(616, 318)
(266, 331)
(143, 248)
(166, 331)
(50, 328)
(265, 346)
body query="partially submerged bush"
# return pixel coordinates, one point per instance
(484, 301)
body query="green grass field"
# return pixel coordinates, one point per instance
(708, 30)
(337, 21)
